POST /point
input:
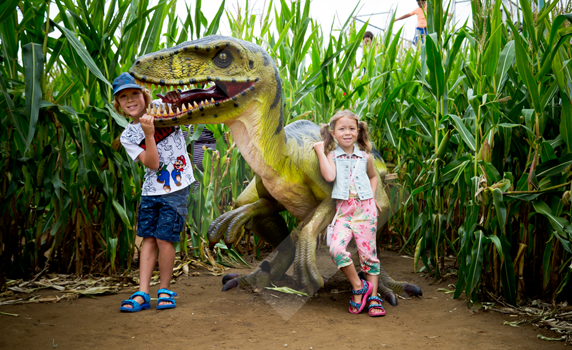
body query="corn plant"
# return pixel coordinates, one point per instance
(476, 123)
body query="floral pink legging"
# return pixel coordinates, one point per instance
(357, 218)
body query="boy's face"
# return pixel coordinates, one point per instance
(366, 41)
(132, 102)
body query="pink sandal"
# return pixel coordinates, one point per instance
(365, 291)
(375, 306)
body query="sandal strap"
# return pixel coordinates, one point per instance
(146, 297)
(370, 306)
(131, 302)
(363, 289)
(166, 291)
(375, 298)
(356, 305)
(165, 299)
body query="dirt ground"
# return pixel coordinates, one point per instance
(206, 318)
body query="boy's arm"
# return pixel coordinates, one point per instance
(149, 157)
(327, 165)
(403, 17)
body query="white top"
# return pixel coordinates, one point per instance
(175, 170)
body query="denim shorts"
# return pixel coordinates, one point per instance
(158, 218)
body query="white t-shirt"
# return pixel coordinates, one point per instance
(175, 170)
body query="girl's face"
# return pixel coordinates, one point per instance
(132, 102)
(345, 131)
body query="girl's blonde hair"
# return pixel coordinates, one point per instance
(146, 95)
(329, 142)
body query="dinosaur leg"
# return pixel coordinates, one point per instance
(272, 229)
(305, 269)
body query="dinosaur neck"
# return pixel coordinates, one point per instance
(254, 133)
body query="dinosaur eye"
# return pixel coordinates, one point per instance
(223, 59)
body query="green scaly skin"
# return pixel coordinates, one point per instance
(248, 99)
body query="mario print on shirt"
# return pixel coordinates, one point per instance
(163, 177)
(178, 168)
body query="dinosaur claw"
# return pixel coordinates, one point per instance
(228, 277)
(233, 283)
(412, 290)
(390, 297)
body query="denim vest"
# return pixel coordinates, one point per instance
(343, 169)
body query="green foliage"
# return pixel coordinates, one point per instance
(477, 123)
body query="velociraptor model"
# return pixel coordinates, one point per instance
(245, 94)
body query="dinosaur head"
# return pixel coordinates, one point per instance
(223, 77)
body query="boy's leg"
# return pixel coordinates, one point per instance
(146, 265)
(166, 264)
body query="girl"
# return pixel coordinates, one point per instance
(163, 208)
(356, 204)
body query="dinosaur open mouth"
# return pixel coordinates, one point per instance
(215, 94)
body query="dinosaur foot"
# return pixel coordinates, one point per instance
(228, 225)
(259, 278)
(389, 289)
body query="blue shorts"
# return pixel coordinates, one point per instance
(158, 217)
(420, 33)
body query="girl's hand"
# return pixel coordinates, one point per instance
(173, 95)
(319, 147)
(147, 125)
(377, 205)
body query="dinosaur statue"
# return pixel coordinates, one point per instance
(243, 90)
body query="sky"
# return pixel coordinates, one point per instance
(327, 11)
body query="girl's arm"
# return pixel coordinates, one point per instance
(327, 165)
(149, 157)
(372, 174)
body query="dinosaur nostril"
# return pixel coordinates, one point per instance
(137, 63)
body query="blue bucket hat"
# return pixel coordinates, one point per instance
(124, 81)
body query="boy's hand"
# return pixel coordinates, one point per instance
(147, 125)
(319, 147)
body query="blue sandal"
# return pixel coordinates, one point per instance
(375, 306)
(169, 299)
(135, 305)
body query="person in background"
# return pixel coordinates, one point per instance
(421, 30)
(366, 43)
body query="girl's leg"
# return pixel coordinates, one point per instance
(355, 281)
(365, 226)
(166, 264)
(338, 248)
(147, 262)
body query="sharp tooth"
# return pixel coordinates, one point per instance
(178, 111)
(206, 102)
(212, 100)
(184, 108)
(195, 104)
(202, 103)
(170, 110)
(190, 106)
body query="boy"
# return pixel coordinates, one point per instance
(421, 30)
(163, 207)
